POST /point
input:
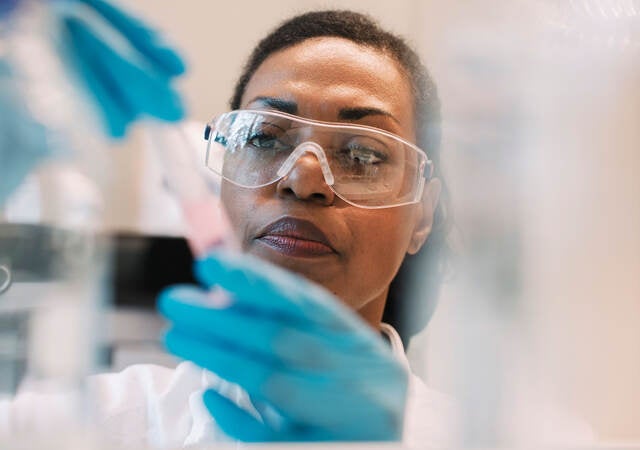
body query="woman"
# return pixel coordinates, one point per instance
(311, 368)
(302, 354)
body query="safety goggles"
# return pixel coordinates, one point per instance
(364, 166)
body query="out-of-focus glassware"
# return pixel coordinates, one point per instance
(49, 311)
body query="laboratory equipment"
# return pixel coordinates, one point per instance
(56, 270)
(57, 265)
(195, 190)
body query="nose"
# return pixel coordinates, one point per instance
(306, 175)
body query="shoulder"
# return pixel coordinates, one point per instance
(430, 415)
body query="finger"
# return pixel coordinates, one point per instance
(290, 393)
(326, 402)
(141, 37)
(214, 325)
(139, 88)
(257, 284)
(250, 373)
(240, 425)
(115, 112)
(275, 340)
(236, 422)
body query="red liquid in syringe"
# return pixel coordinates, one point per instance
(208, 226)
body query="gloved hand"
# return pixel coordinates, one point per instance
(124, 64)
(293, 347)
(126, 68)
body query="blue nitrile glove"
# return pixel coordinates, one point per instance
(124, 63)
(23, 141)
(313, 369)
(6, 6)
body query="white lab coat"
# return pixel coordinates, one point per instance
(162, 407)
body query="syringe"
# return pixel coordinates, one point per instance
(208, 226)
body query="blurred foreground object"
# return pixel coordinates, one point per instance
(51, 55)
(541, 105)
(23, 140)
(125, 65)
(85, 46)
(49, 313)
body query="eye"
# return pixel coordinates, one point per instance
(267, 141)
(267, 136)
(364, 155)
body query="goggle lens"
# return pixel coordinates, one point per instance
(367, 167)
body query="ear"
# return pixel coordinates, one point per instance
(424, 222)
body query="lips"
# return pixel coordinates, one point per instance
(295, 237)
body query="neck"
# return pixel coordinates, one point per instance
(371, 312)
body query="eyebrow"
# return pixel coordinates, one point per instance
(291, 107)
(278, 104)
(359, 113)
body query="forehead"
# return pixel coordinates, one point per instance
(323, 75)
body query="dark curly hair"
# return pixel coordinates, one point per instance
(408, 309)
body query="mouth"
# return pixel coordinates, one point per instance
(295, 237)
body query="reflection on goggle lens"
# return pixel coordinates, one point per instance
(364, 166)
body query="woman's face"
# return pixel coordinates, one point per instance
(298, 222)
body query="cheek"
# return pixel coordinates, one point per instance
(381, 244)
(385, 228)
(240, 205)
(231, 202)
